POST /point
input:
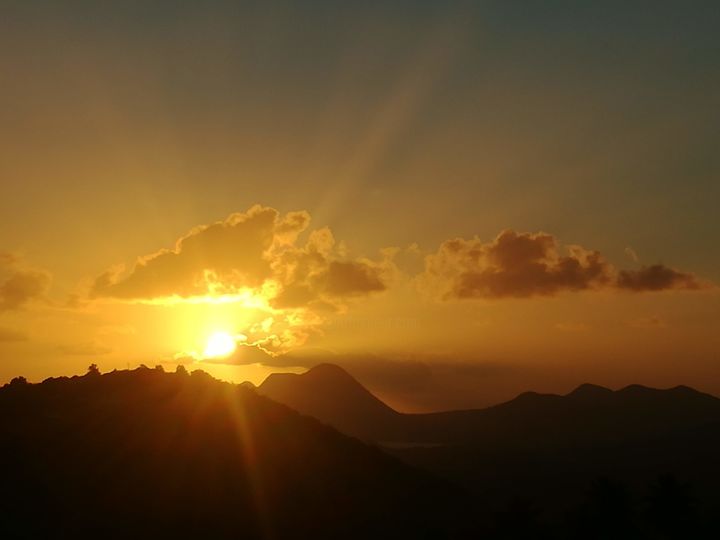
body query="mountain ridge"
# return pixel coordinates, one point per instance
(332, 395)
(186, 456)
(551, 446)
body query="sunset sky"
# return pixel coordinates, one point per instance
(457, 201)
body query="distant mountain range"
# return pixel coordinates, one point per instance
(589, 415)
(542, 445)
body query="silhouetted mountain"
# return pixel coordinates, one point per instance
(589, 415)
(329, 393)
(145, 454)
(590, 391)
(545, 446)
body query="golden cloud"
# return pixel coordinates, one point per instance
(255, 258)
(255, 250)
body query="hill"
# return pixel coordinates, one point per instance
(331, 394)
(589, 415)
(543, 446)
(153, 455)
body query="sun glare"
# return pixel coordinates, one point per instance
(219, 344)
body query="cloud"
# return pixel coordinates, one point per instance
(516, 265)
(245, 354)
(523, 265)
(255, 257)
(255, 250)
(228, 253)
(291, 280)
(657, 278)
(7, 335)
(314, 275)
(20, 285)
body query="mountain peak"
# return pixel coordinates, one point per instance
(686, 390)
(327, 370)
(638, 389)
(590, 390)
(331, 394)
(324, 376)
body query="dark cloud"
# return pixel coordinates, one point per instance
(331, 280)
(514, 265)
(523, 265)
(256, 249)
(18, 285)
(657, 278)
(351, 278)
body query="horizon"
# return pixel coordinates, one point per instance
(94, 369)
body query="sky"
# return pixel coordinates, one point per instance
(456, 201)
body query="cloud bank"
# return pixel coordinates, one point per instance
(293, 279)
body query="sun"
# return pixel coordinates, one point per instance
(219, 344)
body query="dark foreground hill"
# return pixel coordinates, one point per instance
(145, 454)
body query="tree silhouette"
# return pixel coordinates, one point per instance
(520, 519)
(671, 508)
(93, 370)
(18, 381)
(181, 370)
(607, 513)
